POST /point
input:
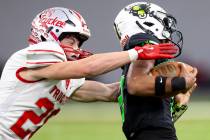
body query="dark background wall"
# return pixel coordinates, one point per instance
(192, 15)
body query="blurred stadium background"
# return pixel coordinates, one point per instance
(101, 121)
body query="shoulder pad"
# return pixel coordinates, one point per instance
(44, 54)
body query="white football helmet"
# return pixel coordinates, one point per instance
(148, 18)
(51, 24)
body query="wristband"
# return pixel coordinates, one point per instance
(160, 82)
(133, 55)
(178, 83)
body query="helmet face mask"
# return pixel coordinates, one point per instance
(143, 17)
(170, 31)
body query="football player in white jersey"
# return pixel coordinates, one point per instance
(37, 80)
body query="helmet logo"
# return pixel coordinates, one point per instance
(140, 11)
(52, 21)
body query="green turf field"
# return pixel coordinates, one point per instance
(101, 121)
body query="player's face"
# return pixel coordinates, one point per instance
(70, 41)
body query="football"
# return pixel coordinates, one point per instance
(170, 69)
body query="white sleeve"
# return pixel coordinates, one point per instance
(74, 85)
(68, 87)
(44, 54)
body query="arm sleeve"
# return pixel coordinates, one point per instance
(44, 54)
(74, 85)
(69, 86)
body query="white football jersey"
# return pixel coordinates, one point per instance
(26, 105)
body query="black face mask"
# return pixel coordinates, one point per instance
(175, 36)
(170, 32)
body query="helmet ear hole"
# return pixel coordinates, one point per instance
(57, 30)
(150, 24)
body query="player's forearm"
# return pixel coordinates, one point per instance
(145, 86)
(102, 63)
(88, 67)
(96, 91)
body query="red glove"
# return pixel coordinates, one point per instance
(149, 51)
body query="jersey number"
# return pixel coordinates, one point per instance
(43, 103)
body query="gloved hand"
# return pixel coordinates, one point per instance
(150, 51)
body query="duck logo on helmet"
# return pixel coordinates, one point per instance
(140, 11)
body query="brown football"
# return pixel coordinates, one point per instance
(169, 69)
